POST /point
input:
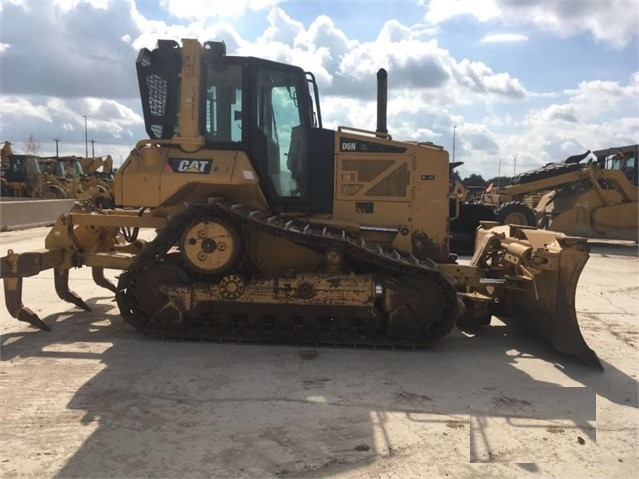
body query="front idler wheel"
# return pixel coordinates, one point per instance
(419, 310)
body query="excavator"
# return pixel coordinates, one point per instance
(265, 226)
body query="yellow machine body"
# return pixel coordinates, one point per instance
(270, 227)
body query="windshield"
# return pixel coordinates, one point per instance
(54, 168)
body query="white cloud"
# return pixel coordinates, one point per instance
(566, 113)
(51, 117)
(195, 10)
(504, 38)
(67, 5)
(478, 77)
(18, 108)
(614, 22)
(442, 10)
(593, 98)
(68, 57)
(563, 129)
(91, 71)
(21, 3)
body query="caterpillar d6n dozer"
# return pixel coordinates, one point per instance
(269, 227)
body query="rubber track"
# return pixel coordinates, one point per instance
(281, 329)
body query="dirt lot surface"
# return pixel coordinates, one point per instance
(94, 398)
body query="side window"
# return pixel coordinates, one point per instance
(616, 163)
(631, 169)
(278, 119)
(623, 162)
(223, 106)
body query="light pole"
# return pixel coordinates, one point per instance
(454, 128)
(86, 138)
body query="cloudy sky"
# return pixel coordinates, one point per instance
(525, 81)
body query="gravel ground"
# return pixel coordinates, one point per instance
(94, 398)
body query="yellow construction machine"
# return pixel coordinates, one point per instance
(269, 227)
(90, 166)
(22, 177)
(602, 200)
(593, 194)
(98, 184)
(5, 153)
(65, 175)
(68, 173)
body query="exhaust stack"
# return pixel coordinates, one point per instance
(382, 100)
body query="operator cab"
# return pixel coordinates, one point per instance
(623, 159)
(22, 168)
(267, 109)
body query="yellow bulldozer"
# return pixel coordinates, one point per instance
(266, 226)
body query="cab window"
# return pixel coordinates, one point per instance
(223, 105)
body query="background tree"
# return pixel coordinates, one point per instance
(500, 180)
(474, 180)
(31, 145)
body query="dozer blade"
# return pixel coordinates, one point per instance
(541, 272)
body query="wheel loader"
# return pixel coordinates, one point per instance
(268, 227)
(593, 194)
(64, 174)
(23, 178)
(603, 202)
(68, 173)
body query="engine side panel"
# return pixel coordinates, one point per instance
(397, 186)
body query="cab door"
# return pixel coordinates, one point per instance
(295, 170)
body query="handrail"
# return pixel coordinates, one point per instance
(377, 134)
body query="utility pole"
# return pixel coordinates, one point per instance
(57, 140)
(515, 164)
(499, 174)
(92, 148)
(454, 128)
(86, 138)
